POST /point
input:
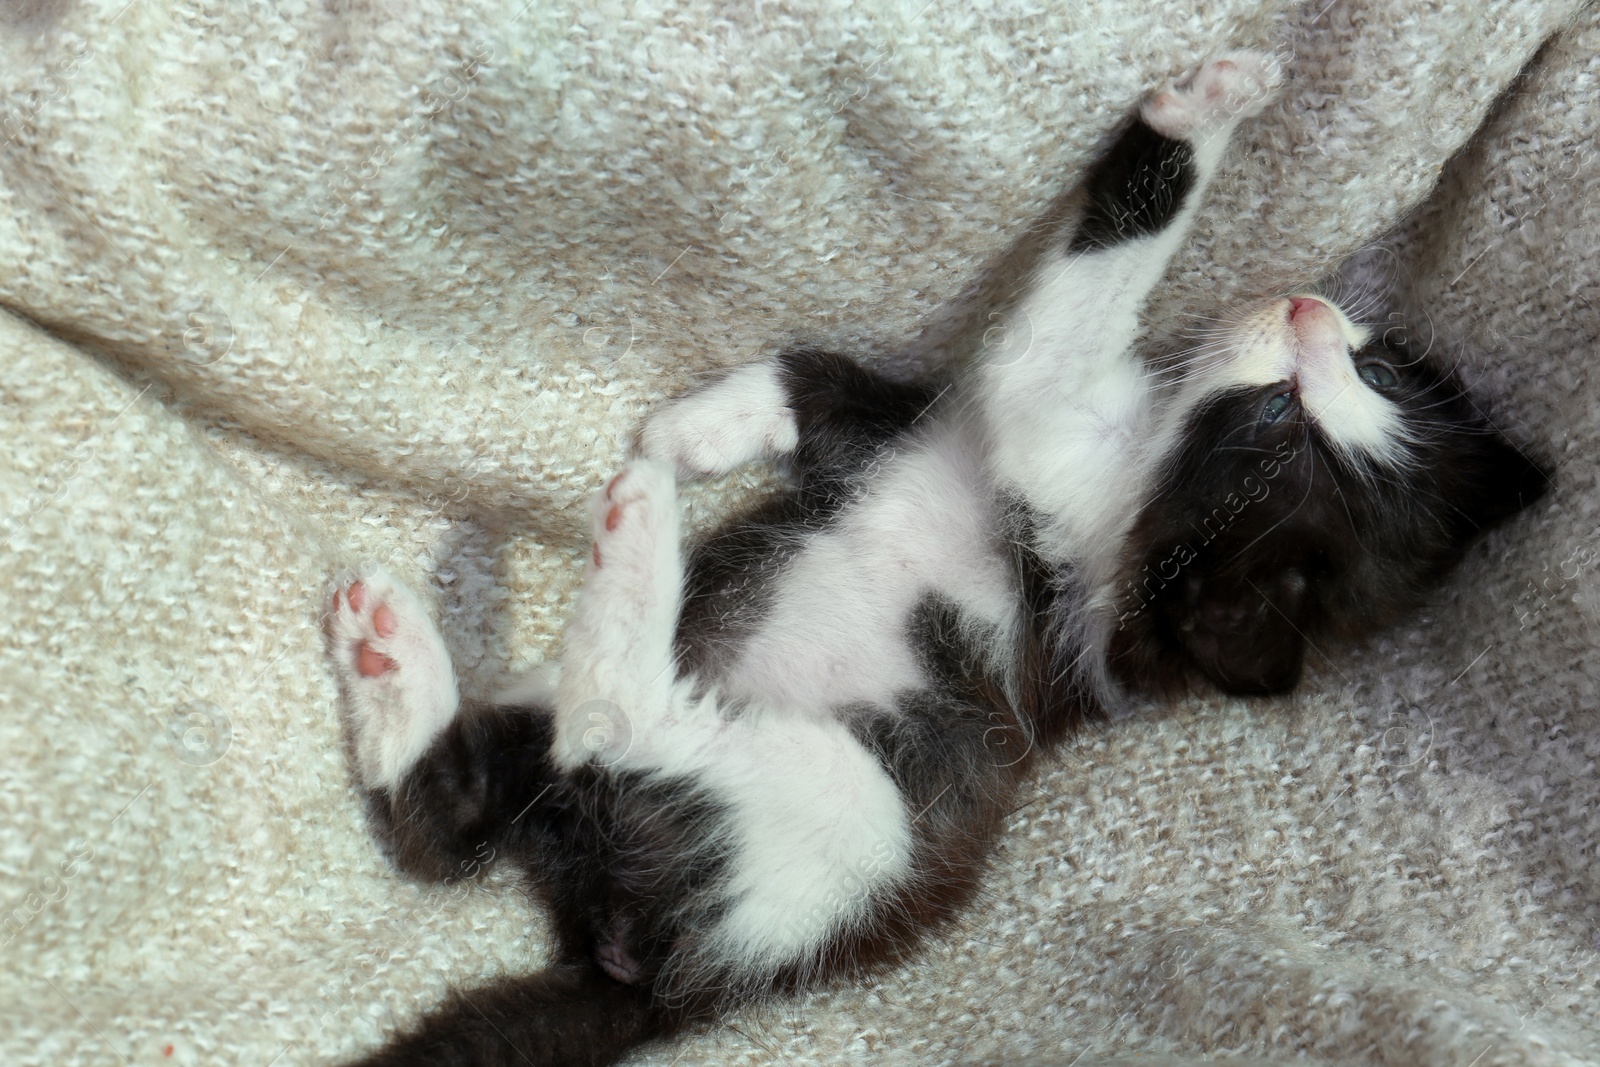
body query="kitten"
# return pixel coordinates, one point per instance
(788, 758)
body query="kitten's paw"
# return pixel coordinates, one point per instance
(635, 525)
(1226, 89)
(725, 425)
(399, 685)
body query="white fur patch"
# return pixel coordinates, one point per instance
(835, 633)
(1311, 355)
(394, 715)
(1068, 414)
(819, 826)
(724, 426)
(816, 823)
(618, 667)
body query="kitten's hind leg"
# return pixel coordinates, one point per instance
(399, 685)
(618, 668)
(720, 427)
(451, 789)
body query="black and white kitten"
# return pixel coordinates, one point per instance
(787, 757)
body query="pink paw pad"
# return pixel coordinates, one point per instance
(370, 663)
(616, 501)
(1221, 93)
(356, 612)
(629, 513)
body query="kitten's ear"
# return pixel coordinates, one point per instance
(1243, 633)
(1498, 480)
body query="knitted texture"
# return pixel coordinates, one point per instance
(294, 286)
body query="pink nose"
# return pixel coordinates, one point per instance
(1302, 305)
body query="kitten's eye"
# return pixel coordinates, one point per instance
(1377, 374)
(1276, 408)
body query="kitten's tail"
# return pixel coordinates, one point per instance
(571, 1015)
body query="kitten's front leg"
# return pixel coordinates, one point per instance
(1064, 399)
(1148, 185)
(1141, 201)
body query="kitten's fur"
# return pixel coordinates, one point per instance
(789, 758)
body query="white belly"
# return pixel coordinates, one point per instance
(836, 629)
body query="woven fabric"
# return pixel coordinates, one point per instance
(294, 286)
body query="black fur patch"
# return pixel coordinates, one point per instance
(958, 749)
(955, 750)
(569, 1014)
(956, 746)
(1136, 190)
(1262, 539)
(847, 417)
(453, 814)
(1052, 681)
(620, 860)
(729, 580)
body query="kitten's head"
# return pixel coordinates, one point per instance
(1319, 478)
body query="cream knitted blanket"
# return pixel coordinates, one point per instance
(292, 285)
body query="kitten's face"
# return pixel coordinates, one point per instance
(1321, 479)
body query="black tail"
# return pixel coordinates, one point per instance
(571, 1015)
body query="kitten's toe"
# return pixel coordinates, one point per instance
(1226, 89)
(399, 684)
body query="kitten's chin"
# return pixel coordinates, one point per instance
(1256, 347)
